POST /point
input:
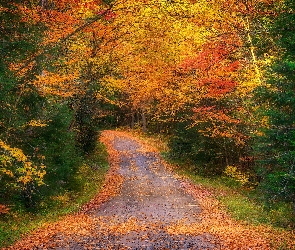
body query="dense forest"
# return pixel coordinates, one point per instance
(216, 77)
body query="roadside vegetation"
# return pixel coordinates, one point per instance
(85, 185)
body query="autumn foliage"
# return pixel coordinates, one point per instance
(215, 76)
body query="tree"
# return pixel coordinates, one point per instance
(20, 171)
(275, 148)
(35, 117)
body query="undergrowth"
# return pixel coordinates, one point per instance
(88, 181)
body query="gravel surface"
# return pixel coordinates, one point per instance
(150, 200)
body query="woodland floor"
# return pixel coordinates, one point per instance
(145, 206)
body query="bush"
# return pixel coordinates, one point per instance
(210, 155)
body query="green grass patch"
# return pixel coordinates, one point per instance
(88, 182)
(244, 208)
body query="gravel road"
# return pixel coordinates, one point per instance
(149, 203)
(151, 197)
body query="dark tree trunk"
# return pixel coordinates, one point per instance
(143, 117)
(132, 120)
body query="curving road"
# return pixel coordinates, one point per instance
(150, 201)
(151, 197)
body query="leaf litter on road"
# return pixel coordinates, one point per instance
(143, 205)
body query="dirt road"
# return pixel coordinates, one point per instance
(140, 201)
(150, 197)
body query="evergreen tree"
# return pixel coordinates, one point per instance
(276, 149)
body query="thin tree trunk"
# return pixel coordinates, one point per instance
(144, 128)
(137, 118)
(132, 120)
(225, 154)
(252, 49)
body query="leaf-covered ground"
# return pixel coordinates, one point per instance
(145, 206)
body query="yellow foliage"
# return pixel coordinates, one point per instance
(14, 152)
(5, 160)
(234, 173)
(7, 172)
(65, 198)
(15, 164)
(36, 123)
(84, 12)
(265, 122)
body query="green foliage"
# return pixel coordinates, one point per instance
(276, 149)
(57, 144)
(88, 181)
(86, 123)
(50, 144)
(37, 125)
(211, 155)
(18, 41)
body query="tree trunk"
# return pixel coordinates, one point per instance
(144, 128)
(132, 120)
(46, 4)
(225, 154)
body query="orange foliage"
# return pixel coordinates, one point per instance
(4, 209)
(59, 85)
(213, 68)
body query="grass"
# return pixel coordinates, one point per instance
(89, 179)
